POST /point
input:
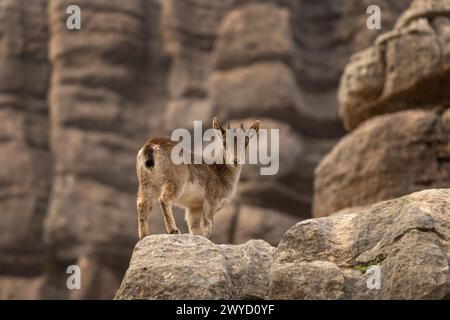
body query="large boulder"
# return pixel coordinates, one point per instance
(192, 267)
(396, 249)
(386, 157)
(406, 68)
(335, 257)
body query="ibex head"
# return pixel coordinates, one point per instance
(235, 140)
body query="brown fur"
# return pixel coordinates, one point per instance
(199, 188)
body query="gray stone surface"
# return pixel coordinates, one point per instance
(391, 155)
(192, 267)
(406, 239)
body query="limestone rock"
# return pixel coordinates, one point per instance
(386, 157)
(423, 8)
(308, 280)
(405, 238)
(396, 249)
(408, 67)
(196, 269)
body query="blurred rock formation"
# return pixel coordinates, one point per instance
(75, 106)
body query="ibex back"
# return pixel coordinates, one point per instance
(202, 189)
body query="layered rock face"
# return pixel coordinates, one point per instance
(397, 249)
(26, 162)
(394, 97)
(98, 121)
(76, 105)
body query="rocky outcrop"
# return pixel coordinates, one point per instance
(408, 67)
(394, 96)
(192, 267)
(397, 249)
(391, 155)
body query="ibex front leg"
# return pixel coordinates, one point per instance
(165, 200)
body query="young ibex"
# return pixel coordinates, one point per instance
(202, 189)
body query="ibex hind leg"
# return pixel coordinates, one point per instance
(194, 221)
(144, 207)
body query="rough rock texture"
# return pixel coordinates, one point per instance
(386, 157)
(75, 106)
(408, 67)
(411, 233)
(192, 267)
(405, 239)
(391, 151)
(97, 120)
(26, 168)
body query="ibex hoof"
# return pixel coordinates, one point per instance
(142, 235)
(175, 231)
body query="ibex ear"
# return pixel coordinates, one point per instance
(252, 131)
(216, 125)
(255, 126)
